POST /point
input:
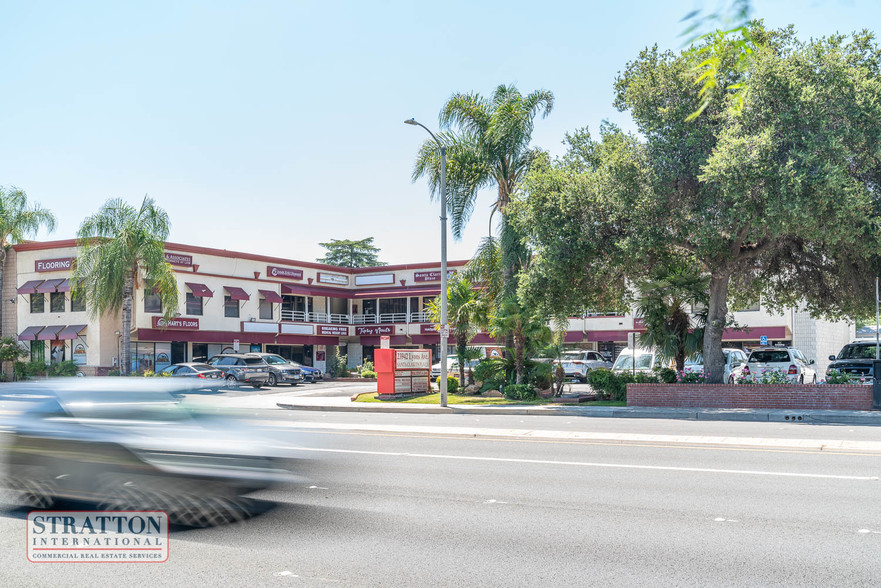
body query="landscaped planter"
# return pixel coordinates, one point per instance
(785, 396)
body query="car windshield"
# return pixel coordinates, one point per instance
(625, 362)
(769, 356)
(858, 352)
(274, 359)
(696, 359)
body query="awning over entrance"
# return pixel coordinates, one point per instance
(49, 285)
(30, 334)
(236, 293)
(297, 290)
(49, 333)
(271, 296)
(29, 287)
(71, 332)
(199, 290)
(573, 337)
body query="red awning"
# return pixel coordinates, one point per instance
(50, 332)
(71, 332)
(237, 293)
(396, 292)
(29, 287)
(29, 334)
(573, 337)
(199, 290)
(64, 286)
(294, 289)
(270, 296)
(49, 285)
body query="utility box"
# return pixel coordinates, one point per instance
(402, 372)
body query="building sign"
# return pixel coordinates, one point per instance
(335, 279)
(284, 272)
(337, 330)
(429, 329)
(180, 323)
(54, 265)
(419, 359)
(374, 279)
(179, 259)
(432, 276)
(375, 330)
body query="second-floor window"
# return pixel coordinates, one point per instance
(38, 303)
(56, 302)
(152, 301)
(194, 304)
(265, 309)
(77, 303)
(230, 307)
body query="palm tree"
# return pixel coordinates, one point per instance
(665, 306)
(118, 246)
(18, 219)
(512, 320)
(466, 311)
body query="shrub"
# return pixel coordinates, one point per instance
(336, 364)
(772, 377)
(691, 378)
(149, 373)
(114, 372)
(541, 375)
(490, 369)
(66, 369)
(452, 384)
(667, 375)
(491, 385)
(519, 392)
(367, 373)
(838, 377)
(367, 366)
(30, 369)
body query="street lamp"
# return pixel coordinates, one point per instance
(444, 329)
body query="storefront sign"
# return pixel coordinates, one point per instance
(337, 330)
(374, 279)
(432, 276)
(413, 360)
(429, 329)
(335, 279)
(180, 323)
(375, 330)
(179, 259)
(54, 265)
(284, 272)
(79, 350)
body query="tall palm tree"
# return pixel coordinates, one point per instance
(18, 220)
(466, 311)
(119, 246)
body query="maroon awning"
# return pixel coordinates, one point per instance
(50, 332)
(237, 293)
(306, 340)
(29, 287)
(199, 290)
(64, 286)
(573, 337)
(49, 285)
(29, 334)
(271, 296)
(71, 332)
(396, 292)
(484, 338)
(297, 290)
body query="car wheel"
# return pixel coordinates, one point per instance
(231, 381)
(272, 380)
(801, 379)
(731, 379)
(583, 379)
(815, 379)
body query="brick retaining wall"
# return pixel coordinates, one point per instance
(791, 396)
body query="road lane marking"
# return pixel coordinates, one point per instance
(593, 464)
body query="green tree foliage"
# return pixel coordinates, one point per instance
(11, 349)
(348, 253)
(19, 219)
(118, 247)
(465, 313)
(763, 199)
(527, 331)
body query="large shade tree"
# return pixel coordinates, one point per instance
(120, 247)
(351, 253)
(19, 219)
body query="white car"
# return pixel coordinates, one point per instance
(735, 360)
(646, 360)
(787, 360)
(452, 367)
(578, 363)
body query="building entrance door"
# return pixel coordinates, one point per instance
(178, 352)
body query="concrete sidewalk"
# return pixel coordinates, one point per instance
(342, 404)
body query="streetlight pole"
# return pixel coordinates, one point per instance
(444, 329)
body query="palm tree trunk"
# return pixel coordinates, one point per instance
(461, 347)
(518, 358)
(125, 352)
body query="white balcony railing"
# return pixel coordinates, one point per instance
(340, 319)
(299, 316)
(293, 315)
(363, 319)
(393, 317)
(419, 317)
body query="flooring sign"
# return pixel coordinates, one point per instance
(72, 536)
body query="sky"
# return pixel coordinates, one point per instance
(269, 127)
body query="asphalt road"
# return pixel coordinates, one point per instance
(455, 500)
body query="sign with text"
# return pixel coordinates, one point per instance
(284, 272)
(385, 342)
(335, 279)
(412, 359)
(179, 323)
(54, 265)
(429, 329)
(179, 259)
(374, 330)
(431, 276)
(338, 330)
(374, 279)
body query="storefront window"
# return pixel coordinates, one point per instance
(163, 356)
(194, 304)
(56, 302)
(38, 349)
(38, 303)
(77, 303)
(230, 307)
(152, 302)
(142, 357)
(79, 350)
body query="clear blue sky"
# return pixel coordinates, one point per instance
(270, 126)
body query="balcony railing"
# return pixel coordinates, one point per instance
(299, 316)
(364, 319)
(393, 317)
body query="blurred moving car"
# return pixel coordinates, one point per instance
(193, 370)
(855, 359)
(241, 368)
(281, 371)
(578, 363)
(735, 360)
(786, 360)
(132, 446)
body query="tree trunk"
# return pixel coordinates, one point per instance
(519, 344)
(461, 348)
(125, 353)
(714, 360)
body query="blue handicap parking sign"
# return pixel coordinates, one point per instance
(763, 340)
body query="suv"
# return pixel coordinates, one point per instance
(241, 368)
(786, 360)
(281, 371)
(578, 363)
(735, 359)
(855, 359)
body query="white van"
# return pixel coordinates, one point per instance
(646, 361)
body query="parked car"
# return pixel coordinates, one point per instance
(281, 370)
(855, 359)
(193, 370)
(646, 360)
(452, 360)
(735, 360)
(578, 363)
(310, 374)
(787, 360)
(241, 368)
